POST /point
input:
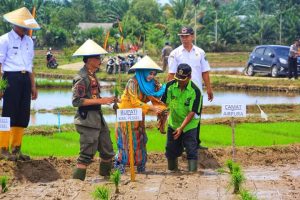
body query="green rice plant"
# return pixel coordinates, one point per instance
(4, 187)
(229, 164)
(3, 84)
(247, 195)
(115, 177)
(237, 178)
(101, 193)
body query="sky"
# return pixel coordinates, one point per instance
(163, 1)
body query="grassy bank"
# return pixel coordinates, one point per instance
(247, 134)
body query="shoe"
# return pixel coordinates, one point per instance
(6, 155)
(105, 168)
(17, 152)
(192, 165)
(173, 164)
(202, 147)
(79, 174)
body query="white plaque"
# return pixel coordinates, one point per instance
(128, 115)
(4, 123)
(233, 110)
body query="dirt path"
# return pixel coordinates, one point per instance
(271, 173)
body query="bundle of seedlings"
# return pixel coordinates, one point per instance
(4, 187)
(101, 193)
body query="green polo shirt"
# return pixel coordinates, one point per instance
(181, 103)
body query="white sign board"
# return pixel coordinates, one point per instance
(4, 123)
(128, 115)
(233, 110)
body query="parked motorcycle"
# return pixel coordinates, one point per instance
(111, 65)
(131, 60)
(51, 61)
(123, 65)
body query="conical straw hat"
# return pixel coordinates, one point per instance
(22, 18)
(145, 63)
(89, 48)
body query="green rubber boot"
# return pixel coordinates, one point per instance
(192, 165)
(105, 168)
(79, 174)
(173, 164)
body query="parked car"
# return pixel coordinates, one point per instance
(269, 59)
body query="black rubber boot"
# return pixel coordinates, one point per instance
(173, 164)
(192, 165)
(6, 155)
(16, 151)
(105, 168)
(79, 174)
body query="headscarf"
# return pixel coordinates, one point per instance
(148, 87)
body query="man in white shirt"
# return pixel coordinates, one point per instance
(195, 57)
(16, 63)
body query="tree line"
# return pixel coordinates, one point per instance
(221, 25)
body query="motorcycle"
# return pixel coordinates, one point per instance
(111, 65)
(51, 62)
(122, 66)
(131, 60)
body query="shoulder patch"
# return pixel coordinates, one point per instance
(80, 90)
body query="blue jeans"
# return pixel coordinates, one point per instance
(187, 140)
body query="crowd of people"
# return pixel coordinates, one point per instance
(177, 103)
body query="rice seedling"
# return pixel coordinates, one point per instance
(4, 187)
(247, 195)
(115, 177)
(3, 84)
(101, 193)
(237, 178)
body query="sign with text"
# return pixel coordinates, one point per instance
(4, 123)
(127, 115)
(233, 110)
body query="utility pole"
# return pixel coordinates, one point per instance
(196, 2)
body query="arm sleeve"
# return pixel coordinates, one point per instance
(79, 92)
(132, 88)
(172, 63)
(196, 104)
(204, 63)
(3, 49)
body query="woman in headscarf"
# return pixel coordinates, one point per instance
(140, 89)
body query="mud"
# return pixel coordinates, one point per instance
(271, 173)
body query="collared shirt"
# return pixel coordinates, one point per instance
(195, 58)
(16, 53)
(293, 51)
(181, 103)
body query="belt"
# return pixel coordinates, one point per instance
(16, 72)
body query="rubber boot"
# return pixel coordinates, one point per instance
(4, 146)
(6, 155)
(173, 164)
(79, 173)
(105, 168)
(192, 165)
(16, 151)
(16, 141)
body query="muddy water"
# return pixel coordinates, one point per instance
(49, 99)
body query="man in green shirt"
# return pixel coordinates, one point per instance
(184, 101)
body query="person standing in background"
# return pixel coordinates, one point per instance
(16, 63)
(293, 55)
(165, 55)
(196, 59)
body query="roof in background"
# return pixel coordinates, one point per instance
(85, 25)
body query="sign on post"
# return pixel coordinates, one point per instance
(129, 115)
(4, 123)
(233, 110)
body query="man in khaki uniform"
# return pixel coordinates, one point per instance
(89, 121)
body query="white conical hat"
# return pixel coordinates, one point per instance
(22, 18)
(145, 63)
(89, 48)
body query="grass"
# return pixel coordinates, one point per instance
(247, 134)
(246, 195)
(3, 181)
(115, 177)
(101, 193)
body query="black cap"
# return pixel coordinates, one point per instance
(186, 31)
(183, 72)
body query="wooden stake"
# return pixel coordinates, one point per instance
(233, 139)
(132, 172)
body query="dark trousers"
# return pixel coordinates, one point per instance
(198, 127)
(293, 68)
(16, 98)
(187, 140)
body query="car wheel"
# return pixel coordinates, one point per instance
(250, 70)
(274, 71)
